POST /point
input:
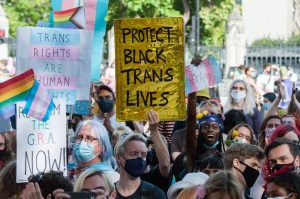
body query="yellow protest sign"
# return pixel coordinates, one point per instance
(150, 68)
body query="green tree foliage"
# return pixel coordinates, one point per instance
(267, 41)
(214, 16)
(139, 8)
(25, 13)
(213, 13)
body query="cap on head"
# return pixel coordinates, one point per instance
(105, 87)
(270, 96)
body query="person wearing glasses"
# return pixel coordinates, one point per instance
(92, 148)
(241, 98)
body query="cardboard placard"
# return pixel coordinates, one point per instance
(150, 68)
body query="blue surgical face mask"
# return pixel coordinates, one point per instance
(211, 146)
(266, 106)
(238, 96)
(84, 151)
(135, 167)
(105, 105)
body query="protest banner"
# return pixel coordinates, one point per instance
(81, 107)
(95, 13)
(41, 145)
(61, 59)
(150, 68)
(204, 75)
(41, 23)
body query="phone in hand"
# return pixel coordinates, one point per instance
(81, 195)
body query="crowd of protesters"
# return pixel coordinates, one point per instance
(247, 147)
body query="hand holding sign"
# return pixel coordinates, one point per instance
(198, 77)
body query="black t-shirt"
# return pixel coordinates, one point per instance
(154, 177)
(144, 191)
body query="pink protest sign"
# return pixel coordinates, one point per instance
(60, 58)
(205, 75)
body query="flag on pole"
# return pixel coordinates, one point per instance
(14, 90)
(39, 103)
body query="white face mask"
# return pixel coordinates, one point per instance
(243, 140)
(281, 197)
(238, 96)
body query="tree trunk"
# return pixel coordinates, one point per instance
(187, 11)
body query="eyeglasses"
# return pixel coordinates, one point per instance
(238, 88)
(209, 102)
(88, 138)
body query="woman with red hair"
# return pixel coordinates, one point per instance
(288, 131)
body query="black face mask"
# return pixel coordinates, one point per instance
(2, 152)
(250, 175)
(278, 167)
(72, 125)
(105, 105)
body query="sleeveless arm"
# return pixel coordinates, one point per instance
(191, 142)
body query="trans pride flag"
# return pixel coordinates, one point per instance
(25, 88)
(39, 103)
(205, 75)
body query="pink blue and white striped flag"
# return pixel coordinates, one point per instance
(39, 103)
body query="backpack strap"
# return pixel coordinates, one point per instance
(147, 190)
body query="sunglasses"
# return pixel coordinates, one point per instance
(209, 102)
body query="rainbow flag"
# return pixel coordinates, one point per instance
(39, 103)
(62, 19)
(14, 90)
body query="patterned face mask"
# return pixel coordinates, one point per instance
(269, 132)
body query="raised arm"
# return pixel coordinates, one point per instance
(274, 106)
(294, 106)
(191, 142)
(160, 147)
